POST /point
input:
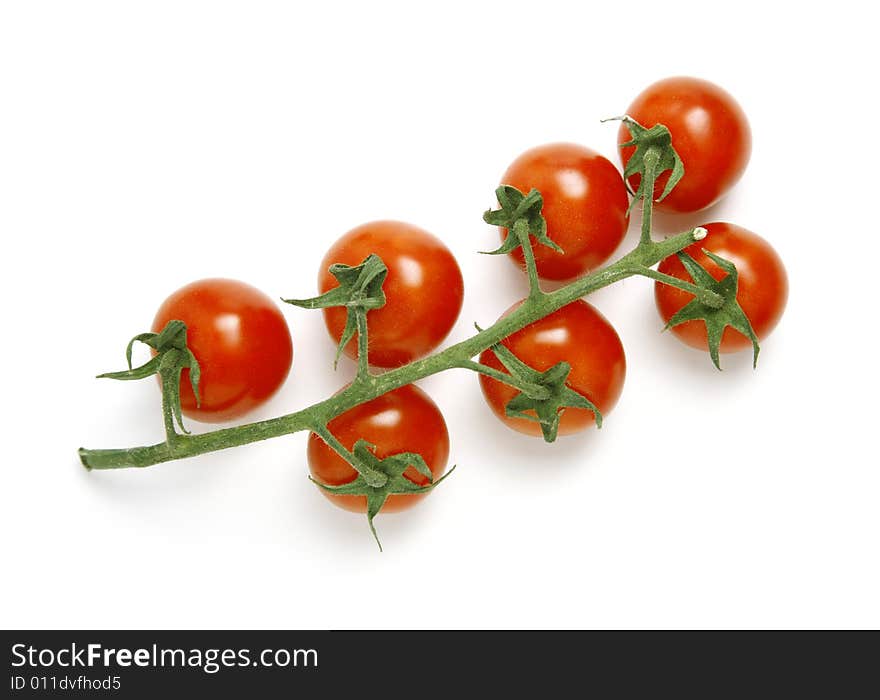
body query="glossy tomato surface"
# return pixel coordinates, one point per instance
(577, 334)
(423, 290)
(403, 420)
(241, 341)
(709, 131)
(585, 202)
(762, 291)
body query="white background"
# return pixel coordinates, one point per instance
(145, 145)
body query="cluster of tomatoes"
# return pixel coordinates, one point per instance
(243, 345)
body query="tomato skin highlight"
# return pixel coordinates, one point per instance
(577, 334)
(241, 341)
(709, 131)
(424, 290)
(762, 292)
(403, 420)
(585, 203)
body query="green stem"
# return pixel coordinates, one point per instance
(533, 390)
(363, 357)
(371, 476)
(168, 390)
(646, 255)
(652, 160)
(521, 231)
(706, 296)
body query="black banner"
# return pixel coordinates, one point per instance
(391, 664)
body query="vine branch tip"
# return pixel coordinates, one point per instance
(82, 458)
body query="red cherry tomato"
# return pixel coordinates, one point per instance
(577, 334)
(403, 420)
(762, 290)
(241, 341)
(423, 291)
(585, 204)
(709, 131)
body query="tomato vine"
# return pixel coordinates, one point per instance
(360, 291)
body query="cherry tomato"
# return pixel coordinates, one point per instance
(403, 420)
(423, 291)
(577, 334)
(241, 341)
(585, 204)
(762, 290)
(709, 131)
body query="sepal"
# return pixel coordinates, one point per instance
(519, 210)
(548, 399)
(378, 479)
(359, 290)
(653, 152)
(171, 358)
(730, 313)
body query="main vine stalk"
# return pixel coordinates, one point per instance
(368, 386)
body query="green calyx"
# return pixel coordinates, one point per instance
(172, 357)
(543, 396)
(521, 215)
(378, 479)
(653, 156)
(730, 313)
(359, 291)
